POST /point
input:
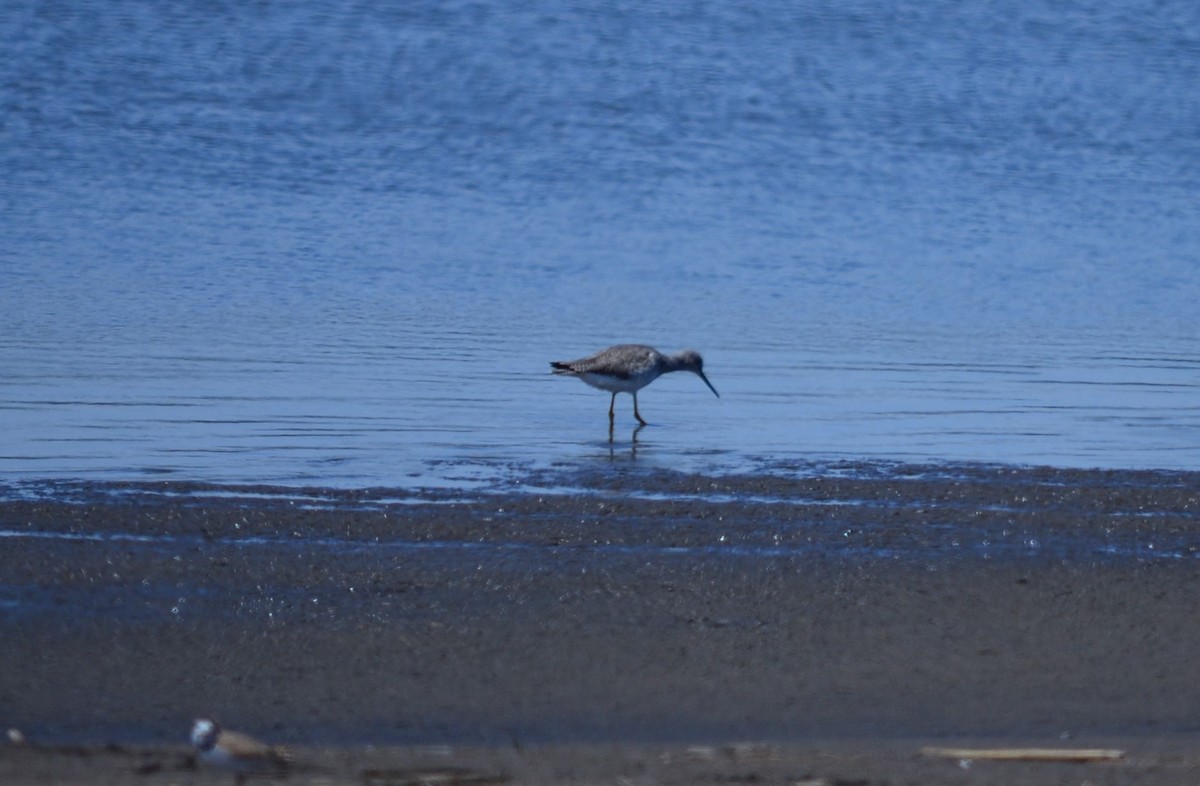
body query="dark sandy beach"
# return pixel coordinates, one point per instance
(636, 628)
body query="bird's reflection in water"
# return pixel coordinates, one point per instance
(633, 441)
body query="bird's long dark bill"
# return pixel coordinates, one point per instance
(706, 382)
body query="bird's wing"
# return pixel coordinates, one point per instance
(243, 746)
(622, 361)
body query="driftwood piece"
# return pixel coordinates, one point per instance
(1027, 754)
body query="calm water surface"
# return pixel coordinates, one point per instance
(325, 243)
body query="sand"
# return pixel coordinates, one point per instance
(587, 638)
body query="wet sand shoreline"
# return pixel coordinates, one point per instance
(811, 763)
(628, 617)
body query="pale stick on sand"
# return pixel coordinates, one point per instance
(1027, 754)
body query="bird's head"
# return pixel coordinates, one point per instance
(204, 733)
(690, 360)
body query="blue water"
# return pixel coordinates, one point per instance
(336, 243)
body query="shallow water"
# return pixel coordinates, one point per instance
(327, 244)
(927, 514)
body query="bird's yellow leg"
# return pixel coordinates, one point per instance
(637, 414)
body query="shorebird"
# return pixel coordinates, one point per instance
(627, 368)
(239, 753)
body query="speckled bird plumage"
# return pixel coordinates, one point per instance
(627, 368)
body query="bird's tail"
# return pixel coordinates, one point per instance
(561, 368)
